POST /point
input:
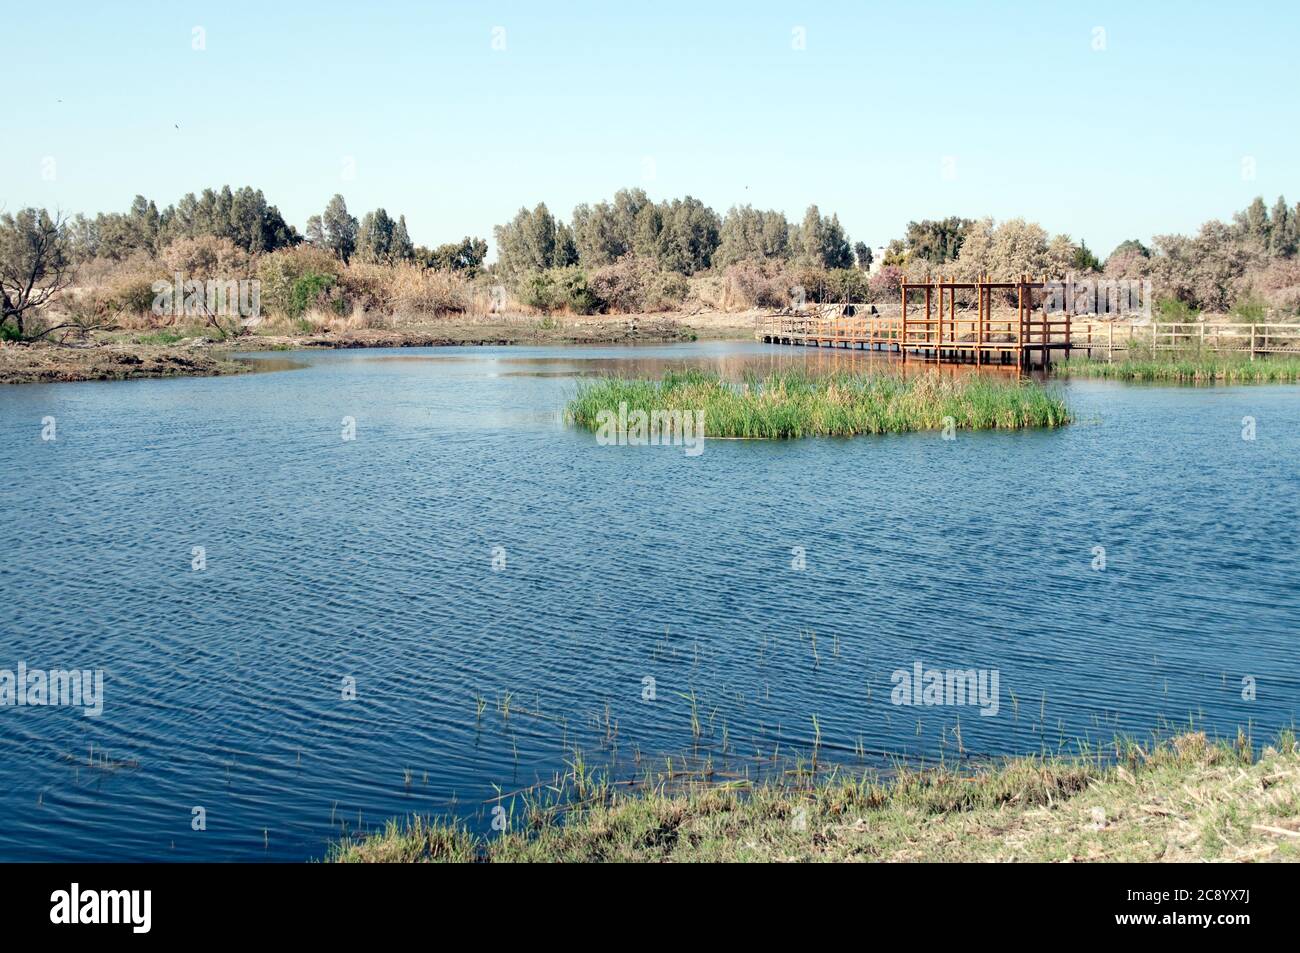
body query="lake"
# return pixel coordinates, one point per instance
(359, 599)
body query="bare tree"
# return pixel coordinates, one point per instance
(81, 320)
(34, 265)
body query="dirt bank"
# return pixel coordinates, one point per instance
(46, 364)
(123, 355)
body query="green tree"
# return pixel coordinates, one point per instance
(566, 247)
(1131, 245)
(527, 242)
(687, 235)
(400, 247)
(748, 234)
(144, 223)
(466, 255)
(315, 230)
(937, 241)
(340, 228)
(1083, 259)
(1282, 239)
(862, 252)
(605, 232)
(822, 242)
(1254, 221)
(375, 237)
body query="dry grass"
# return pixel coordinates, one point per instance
(1183, 800)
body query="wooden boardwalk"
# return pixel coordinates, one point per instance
(1027, 337)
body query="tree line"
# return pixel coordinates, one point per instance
(244, 217)
(678, 235)
(631, 249)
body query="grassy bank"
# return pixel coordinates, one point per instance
(1189, 369)
(794, 404)
(1185, 799)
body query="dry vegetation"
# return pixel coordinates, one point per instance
(1184, 800)
(626, 270)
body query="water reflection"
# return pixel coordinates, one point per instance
(732, 360)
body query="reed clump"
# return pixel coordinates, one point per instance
(1189, 368)
(796, 404)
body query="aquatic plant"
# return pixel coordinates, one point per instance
(796, 404)
(1191, 368)
(1185, 797)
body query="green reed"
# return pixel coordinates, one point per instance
(795, 404)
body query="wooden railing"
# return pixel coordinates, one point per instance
(990, 332)
(1242, 337)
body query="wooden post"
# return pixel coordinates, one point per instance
(928, 316)
(1020, 319)
(938, 331)
(1068, 330)
(903, 332)
(1047, 329)
(952, 313)
(1110, 343)
(1252, 342)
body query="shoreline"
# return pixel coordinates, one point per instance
(125, 357)
(1185, 799)
(53, 364)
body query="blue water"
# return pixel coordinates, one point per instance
(372, 559)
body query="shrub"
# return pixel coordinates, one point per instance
(1176, 311)
(135, 296)
(205, 257)
(1250, 308)
(368, 286)
(886, 284)
(633, 285)
(308, 290)
(846, 284)
(556, 289)
(280, 272)
(536, 289)
(413, 289)
(753, 284)
(710, 289)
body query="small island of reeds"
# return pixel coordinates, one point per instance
(1189, 368)
(796, 404)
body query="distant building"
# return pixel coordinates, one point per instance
(877, 259)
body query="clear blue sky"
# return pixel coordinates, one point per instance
(1145, 137)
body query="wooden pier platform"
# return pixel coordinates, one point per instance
(1029, 337)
